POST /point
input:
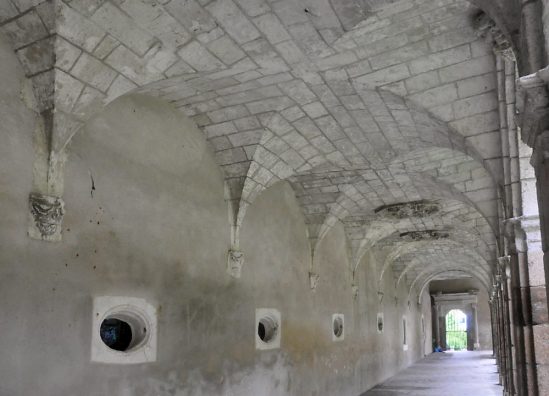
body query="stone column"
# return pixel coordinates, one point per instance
(494, 321)
(533, 118)
(476, 341)
(500, 337)
(514, 182)
(506, 348)
(437, 326)
(539, 273)
(505, 263)
(530, 271)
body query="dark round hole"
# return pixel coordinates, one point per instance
(116, 334)
(267, 329)
(338, 327)
(261, 331)
(380, 324)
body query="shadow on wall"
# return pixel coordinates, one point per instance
(146, 218)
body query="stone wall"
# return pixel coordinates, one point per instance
(148, 219)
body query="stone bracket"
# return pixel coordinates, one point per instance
(354, 290)
(46, 217)
(235, 261)
(313, 280)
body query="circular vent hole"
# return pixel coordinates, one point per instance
(338, 327)
(380, 324)
(267, 329)
(116, 334)
(123, 331)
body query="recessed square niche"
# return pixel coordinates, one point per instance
(380, 323)
(338, 327)
(124, 330)
(268, 329)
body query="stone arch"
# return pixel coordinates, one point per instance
(270, 117)
(454, 198)
(448, 236)
(448, 139)
(431, 271)
(452, 244)
(434, 276)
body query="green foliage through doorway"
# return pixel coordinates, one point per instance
(456, 330)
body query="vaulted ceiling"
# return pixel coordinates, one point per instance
(382, 115)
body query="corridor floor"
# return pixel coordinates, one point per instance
(446, 374)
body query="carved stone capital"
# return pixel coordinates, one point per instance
(235, 261)
(313, 280)
(504, 270)
(526, 231)
(504, 261)
(486, 27)
(533, 106)
(46, 213)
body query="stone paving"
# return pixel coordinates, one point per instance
(449, 374)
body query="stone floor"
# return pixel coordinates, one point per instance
(447, 374)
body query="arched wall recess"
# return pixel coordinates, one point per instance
(434, 275)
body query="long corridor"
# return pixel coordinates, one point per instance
(448, 374)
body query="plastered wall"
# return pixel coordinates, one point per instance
(146, 217)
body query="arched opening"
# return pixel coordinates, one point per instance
(456, 330)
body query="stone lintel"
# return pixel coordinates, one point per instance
(453, 298)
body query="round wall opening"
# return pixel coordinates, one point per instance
(267, 329)
(338, 327)
(116, 334)
(380, 323)
(123, 331)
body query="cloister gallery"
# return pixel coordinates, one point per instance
(273, 197)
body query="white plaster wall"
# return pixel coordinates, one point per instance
(156, 227)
